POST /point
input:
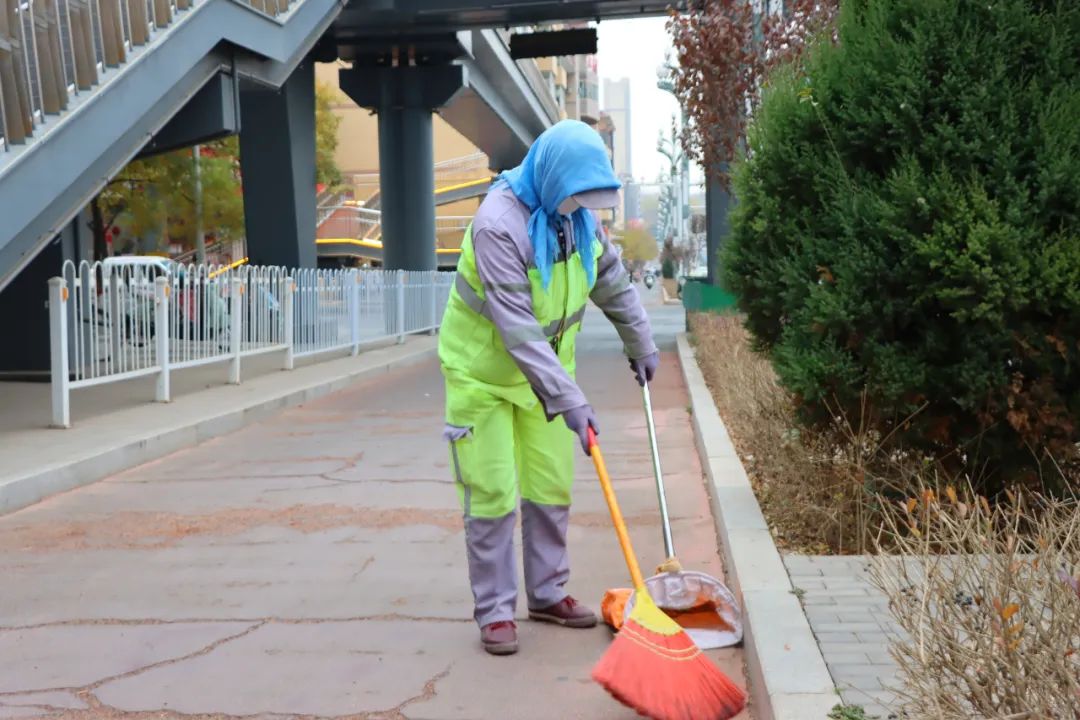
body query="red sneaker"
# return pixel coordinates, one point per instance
(567, 612)
(499, 638)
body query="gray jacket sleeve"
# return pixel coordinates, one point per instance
(616, 296)
(502, 270)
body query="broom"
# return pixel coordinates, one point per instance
(653, 666)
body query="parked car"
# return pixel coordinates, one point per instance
(130, 280)
(203, 306)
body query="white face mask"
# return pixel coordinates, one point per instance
(568, 206)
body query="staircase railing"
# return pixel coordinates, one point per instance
(54, 51)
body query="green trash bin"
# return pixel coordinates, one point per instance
(699, 296)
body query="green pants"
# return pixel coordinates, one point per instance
(510, 448)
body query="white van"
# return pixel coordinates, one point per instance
(202, 307)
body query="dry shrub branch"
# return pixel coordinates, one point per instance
(817, 490)
(989, 604)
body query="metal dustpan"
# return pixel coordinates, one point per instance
(704, 607)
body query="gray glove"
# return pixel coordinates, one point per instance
(645, 368)
(580, 419)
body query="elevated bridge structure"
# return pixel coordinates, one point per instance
(86, 87)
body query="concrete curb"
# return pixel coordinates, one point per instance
(786, 671)
(668, 300)
(136, 441)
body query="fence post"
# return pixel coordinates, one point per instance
(354, 311)
(236, 294)
(287, 308)
(58, 342)
(433, 286)
(401, 306)
(110, 282)
(161, 336)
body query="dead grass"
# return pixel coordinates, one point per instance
(988, 601)
(817, 490)
(984, 590)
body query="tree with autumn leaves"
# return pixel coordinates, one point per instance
(725, 51)
(153, 199)
(906, 239)
(638, 247)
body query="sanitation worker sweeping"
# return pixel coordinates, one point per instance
(531, 259)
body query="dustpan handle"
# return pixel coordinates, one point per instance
(669, 545)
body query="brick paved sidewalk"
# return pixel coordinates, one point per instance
(851, 621)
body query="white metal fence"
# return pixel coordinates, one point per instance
(109, 324)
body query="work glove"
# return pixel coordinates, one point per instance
(644, 368)
(580, 419)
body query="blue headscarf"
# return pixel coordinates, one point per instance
(567, 159)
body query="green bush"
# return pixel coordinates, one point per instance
(667, 268)
(907, 226)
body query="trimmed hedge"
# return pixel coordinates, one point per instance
(908, 226)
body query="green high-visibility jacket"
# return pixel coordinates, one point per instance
(504, 337)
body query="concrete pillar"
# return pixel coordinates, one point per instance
(24, 307)
(407, 187)
(717, 204)
(277, 160)
(405, 98)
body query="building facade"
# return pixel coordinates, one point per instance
(631, 201)
(617, 105)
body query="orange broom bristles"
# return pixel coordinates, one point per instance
(662, 674)
(652, 665)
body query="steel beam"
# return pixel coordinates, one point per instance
(499, 110)
(396, 16)
(404, 98)
(277, 158)
(213, 113)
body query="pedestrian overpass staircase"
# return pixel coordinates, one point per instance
(352, 230)
(88, 85)
(85, 85)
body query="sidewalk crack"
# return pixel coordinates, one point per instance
(86, 692)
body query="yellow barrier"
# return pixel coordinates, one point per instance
(462, 186)
(377, 245)
(227, 268)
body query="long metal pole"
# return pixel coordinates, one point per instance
(669, 545)
(684, 210)
(200, 239)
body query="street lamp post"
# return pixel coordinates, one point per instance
(200, 238)
(670, 149)
(717, 200)
(665, 81)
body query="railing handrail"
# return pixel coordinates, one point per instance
(362, 223)
(475, 161)
(190, 255)
(52, 51)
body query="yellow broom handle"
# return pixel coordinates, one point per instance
(616, 514)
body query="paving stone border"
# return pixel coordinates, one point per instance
(788, 676)
(850, 618)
